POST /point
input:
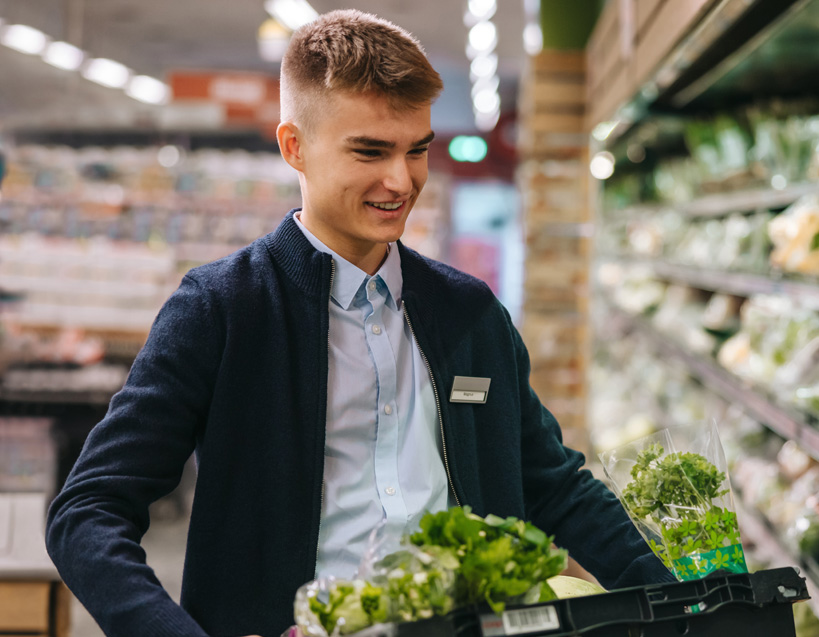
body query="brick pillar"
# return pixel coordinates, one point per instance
(553, 179)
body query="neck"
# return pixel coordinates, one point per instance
(365, 255)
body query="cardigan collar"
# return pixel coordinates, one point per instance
(309, 269)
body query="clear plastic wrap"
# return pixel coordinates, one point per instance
(675, 487)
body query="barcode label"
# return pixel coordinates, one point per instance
(530, 620)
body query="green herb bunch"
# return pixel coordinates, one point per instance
(456, 559)
(500, 559)
(677, 492)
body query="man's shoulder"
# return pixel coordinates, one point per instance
(444, 287)
(450, 279)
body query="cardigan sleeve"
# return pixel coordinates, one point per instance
(134, 456)
(567, 501)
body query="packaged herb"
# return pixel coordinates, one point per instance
(675, 487)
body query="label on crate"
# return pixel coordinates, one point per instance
(520, 621)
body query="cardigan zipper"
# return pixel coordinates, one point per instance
(437, 405)
(323, 484)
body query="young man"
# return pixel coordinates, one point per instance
(312, 372)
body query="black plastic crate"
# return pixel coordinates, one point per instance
(722, 604)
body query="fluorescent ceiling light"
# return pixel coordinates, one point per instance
(486, 101)
(291, 13)
(64, 56)
(273, 39)
(482, 9)
(486, 84)
(486, 121)
(148, 90)
(24, 39)
(532, 38)
(483, 36)
(602, 165)
(107, 72)
(483, 66)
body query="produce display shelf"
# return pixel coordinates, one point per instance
(758, 530)
(720, 204)
(802, 289)
(95, 398)
(786, 421)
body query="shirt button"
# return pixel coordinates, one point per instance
(371, 285)
(390, 490)
(387, 410)
(376, 329)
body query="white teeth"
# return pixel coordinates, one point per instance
(387, 206)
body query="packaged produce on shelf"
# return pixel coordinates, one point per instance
(456, 559)
(771, 145)
(98, 283)
(675, 487)
(721, 148)
(681, 314)
(721, 314)
(785, 140)
(27, 454)
(777, 479)
(633, 288)
(795, 237)
(777, 347)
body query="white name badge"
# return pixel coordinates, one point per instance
(469, 389)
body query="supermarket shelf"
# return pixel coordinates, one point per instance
(721, 204)
(98, 398)
(786, 421)
(756, 529)
(802, 289)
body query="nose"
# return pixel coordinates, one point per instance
(398, 179)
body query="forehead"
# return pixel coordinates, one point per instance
(349, 115)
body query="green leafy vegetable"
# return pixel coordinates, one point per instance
(456, 559)
(677, 492)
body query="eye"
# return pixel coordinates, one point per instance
(419, 151)
(367, 152)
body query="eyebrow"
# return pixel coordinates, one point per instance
(372, 142)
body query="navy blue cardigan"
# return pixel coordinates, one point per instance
(235, 368)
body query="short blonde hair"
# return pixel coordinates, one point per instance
(357, 52)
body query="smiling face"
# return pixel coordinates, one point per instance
(362, 165)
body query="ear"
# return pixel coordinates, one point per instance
(289, 138)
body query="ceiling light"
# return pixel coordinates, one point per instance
(24, 39)
(603, 130)
(532, 38)
(602, 165)
(482, 9)
(483, 66)
(486, 84)
(483, 36)
(486, 101)
(64, 56)
(107, 72)
(148, 90)
(291, 13)
(486, 121)
(272, 39)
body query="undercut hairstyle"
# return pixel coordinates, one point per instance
(354, 52)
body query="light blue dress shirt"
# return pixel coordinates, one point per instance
(383, 460)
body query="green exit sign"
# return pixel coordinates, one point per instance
(468, 148)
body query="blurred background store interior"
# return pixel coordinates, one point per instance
(636, 180)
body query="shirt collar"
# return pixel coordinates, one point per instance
(349, 278)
